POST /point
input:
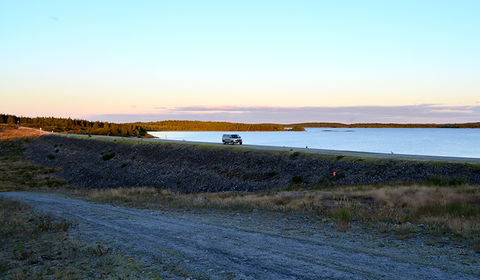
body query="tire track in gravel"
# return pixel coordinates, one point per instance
(223, 251)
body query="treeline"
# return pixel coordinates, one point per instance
(139, 129)
(388, 125)
(211, 126)
(74, 126)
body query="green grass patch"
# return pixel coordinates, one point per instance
(437, 181)
(454, 209)
(18, 174)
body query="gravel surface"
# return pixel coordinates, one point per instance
(181, 245)
(190, 168)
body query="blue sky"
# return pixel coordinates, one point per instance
(245, 61)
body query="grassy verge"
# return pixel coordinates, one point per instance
(402, 211)
(36, 246)
(17, 174)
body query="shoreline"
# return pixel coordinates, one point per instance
(334, 152)
(285, 148)
(296, 149)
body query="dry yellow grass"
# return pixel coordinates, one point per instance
(399, 209)
(418, 196)
(11, 133)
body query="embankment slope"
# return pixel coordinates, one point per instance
(189, 168)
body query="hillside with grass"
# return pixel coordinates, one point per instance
(442, 195)
(433, 205)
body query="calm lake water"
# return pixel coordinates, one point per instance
(414, 141)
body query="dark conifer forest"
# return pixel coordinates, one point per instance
(140, 129)
(74, 126)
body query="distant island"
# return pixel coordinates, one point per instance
(140, 129)
(388, 125)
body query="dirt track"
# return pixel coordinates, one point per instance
(210, 246)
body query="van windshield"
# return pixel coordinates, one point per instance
(235, 136)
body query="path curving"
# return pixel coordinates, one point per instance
(220, 249)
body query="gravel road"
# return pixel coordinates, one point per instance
(252, 246)
(330, 152)
(309, 150)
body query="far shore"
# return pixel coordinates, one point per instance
(283, 148)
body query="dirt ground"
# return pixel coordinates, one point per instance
(9, 133)
(184, 245)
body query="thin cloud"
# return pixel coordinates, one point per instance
(229, 108)
(423, 113)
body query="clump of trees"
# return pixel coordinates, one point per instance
(296, 128)
(76, 126)
(138, 129)
(210, 126)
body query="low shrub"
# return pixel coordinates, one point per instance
(343, 215)
(297, 179)
(108, 156)
(272, 173)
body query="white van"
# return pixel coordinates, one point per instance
(231, 139)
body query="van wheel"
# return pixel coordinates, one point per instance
(224, 142)
(240, 143)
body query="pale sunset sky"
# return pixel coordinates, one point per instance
(242, 61)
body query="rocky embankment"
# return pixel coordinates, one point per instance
(189, 168)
